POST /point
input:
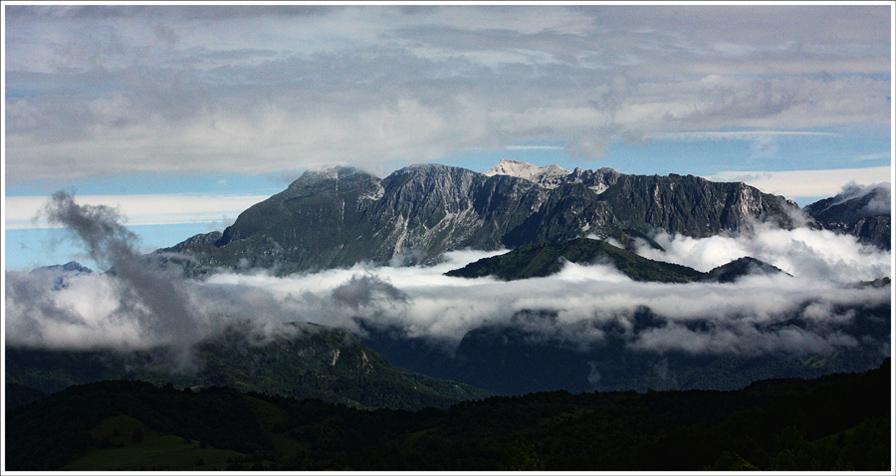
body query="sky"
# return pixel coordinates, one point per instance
(181, 116)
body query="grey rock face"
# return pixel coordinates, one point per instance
(861, 212)
(343, 216)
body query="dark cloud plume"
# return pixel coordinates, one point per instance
(97, 227)
(151, 295)
(364, 290)
(140, 303)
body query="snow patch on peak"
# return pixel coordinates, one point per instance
(547, 176)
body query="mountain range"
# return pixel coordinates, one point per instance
(546, 216)
(315, 397)
(342, 216)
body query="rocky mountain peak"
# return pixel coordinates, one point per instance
(863, 212)
(548, 176)
(57, 275)
(337, 172)
(341, 216)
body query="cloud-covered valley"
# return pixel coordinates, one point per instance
(139, 304)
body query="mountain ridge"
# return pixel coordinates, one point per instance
(545, 259)
(342, 216)
(861, 212)
(314, 362)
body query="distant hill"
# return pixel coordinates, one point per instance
(57, 276)
(544, 259)
(17, 394)
(731, 272)
(317, 361)
(838, 422)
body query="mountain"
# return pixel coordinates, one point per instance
(536, 350)
(545, 259)
(57, 276)
(839, 422)
(16, 395)
(731, 272)
(342, 216)
(316, 361)
(549, 176)
(861, 212)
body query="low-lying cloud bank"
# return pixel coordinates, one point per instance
(811, 255)
(139, 305)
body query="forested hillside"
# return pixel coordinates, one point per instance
(838, 422)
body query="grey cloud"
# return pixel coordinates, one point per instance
(365, 290)
(412, 88)
(146, 292)
(138, 303)
(207, 12)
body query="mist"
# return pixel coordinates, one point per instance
(812, 255)
(140, 304)
(136, 304)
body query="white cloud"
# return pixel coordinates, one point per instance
(733, 135)
(817, 255)
(746, 317)
(806, 183)
(147, 209)
(108, 90)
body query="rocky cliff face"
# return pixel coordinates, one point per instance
(861, 212)
(343, 216)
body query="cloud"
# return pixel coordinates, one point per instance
(147, 209)
(805, 183)
(105, 90)
(815, 255)
(878, 204)
(734, 135)
(582, 305)
(140, 304)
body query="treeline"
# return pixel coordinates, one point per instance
(838, 422)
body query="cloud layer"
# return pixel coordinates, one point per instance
(141, 304)
(114, 89)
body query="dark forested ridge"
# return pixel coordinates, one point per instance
(315, 362)
(514, 358)
(545, 259)
(837, 422)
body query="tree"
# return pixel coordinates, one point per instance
(520, 457)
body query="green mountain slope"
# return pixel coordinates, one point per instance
(545, 259)
(838, 422)
(317, 362)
